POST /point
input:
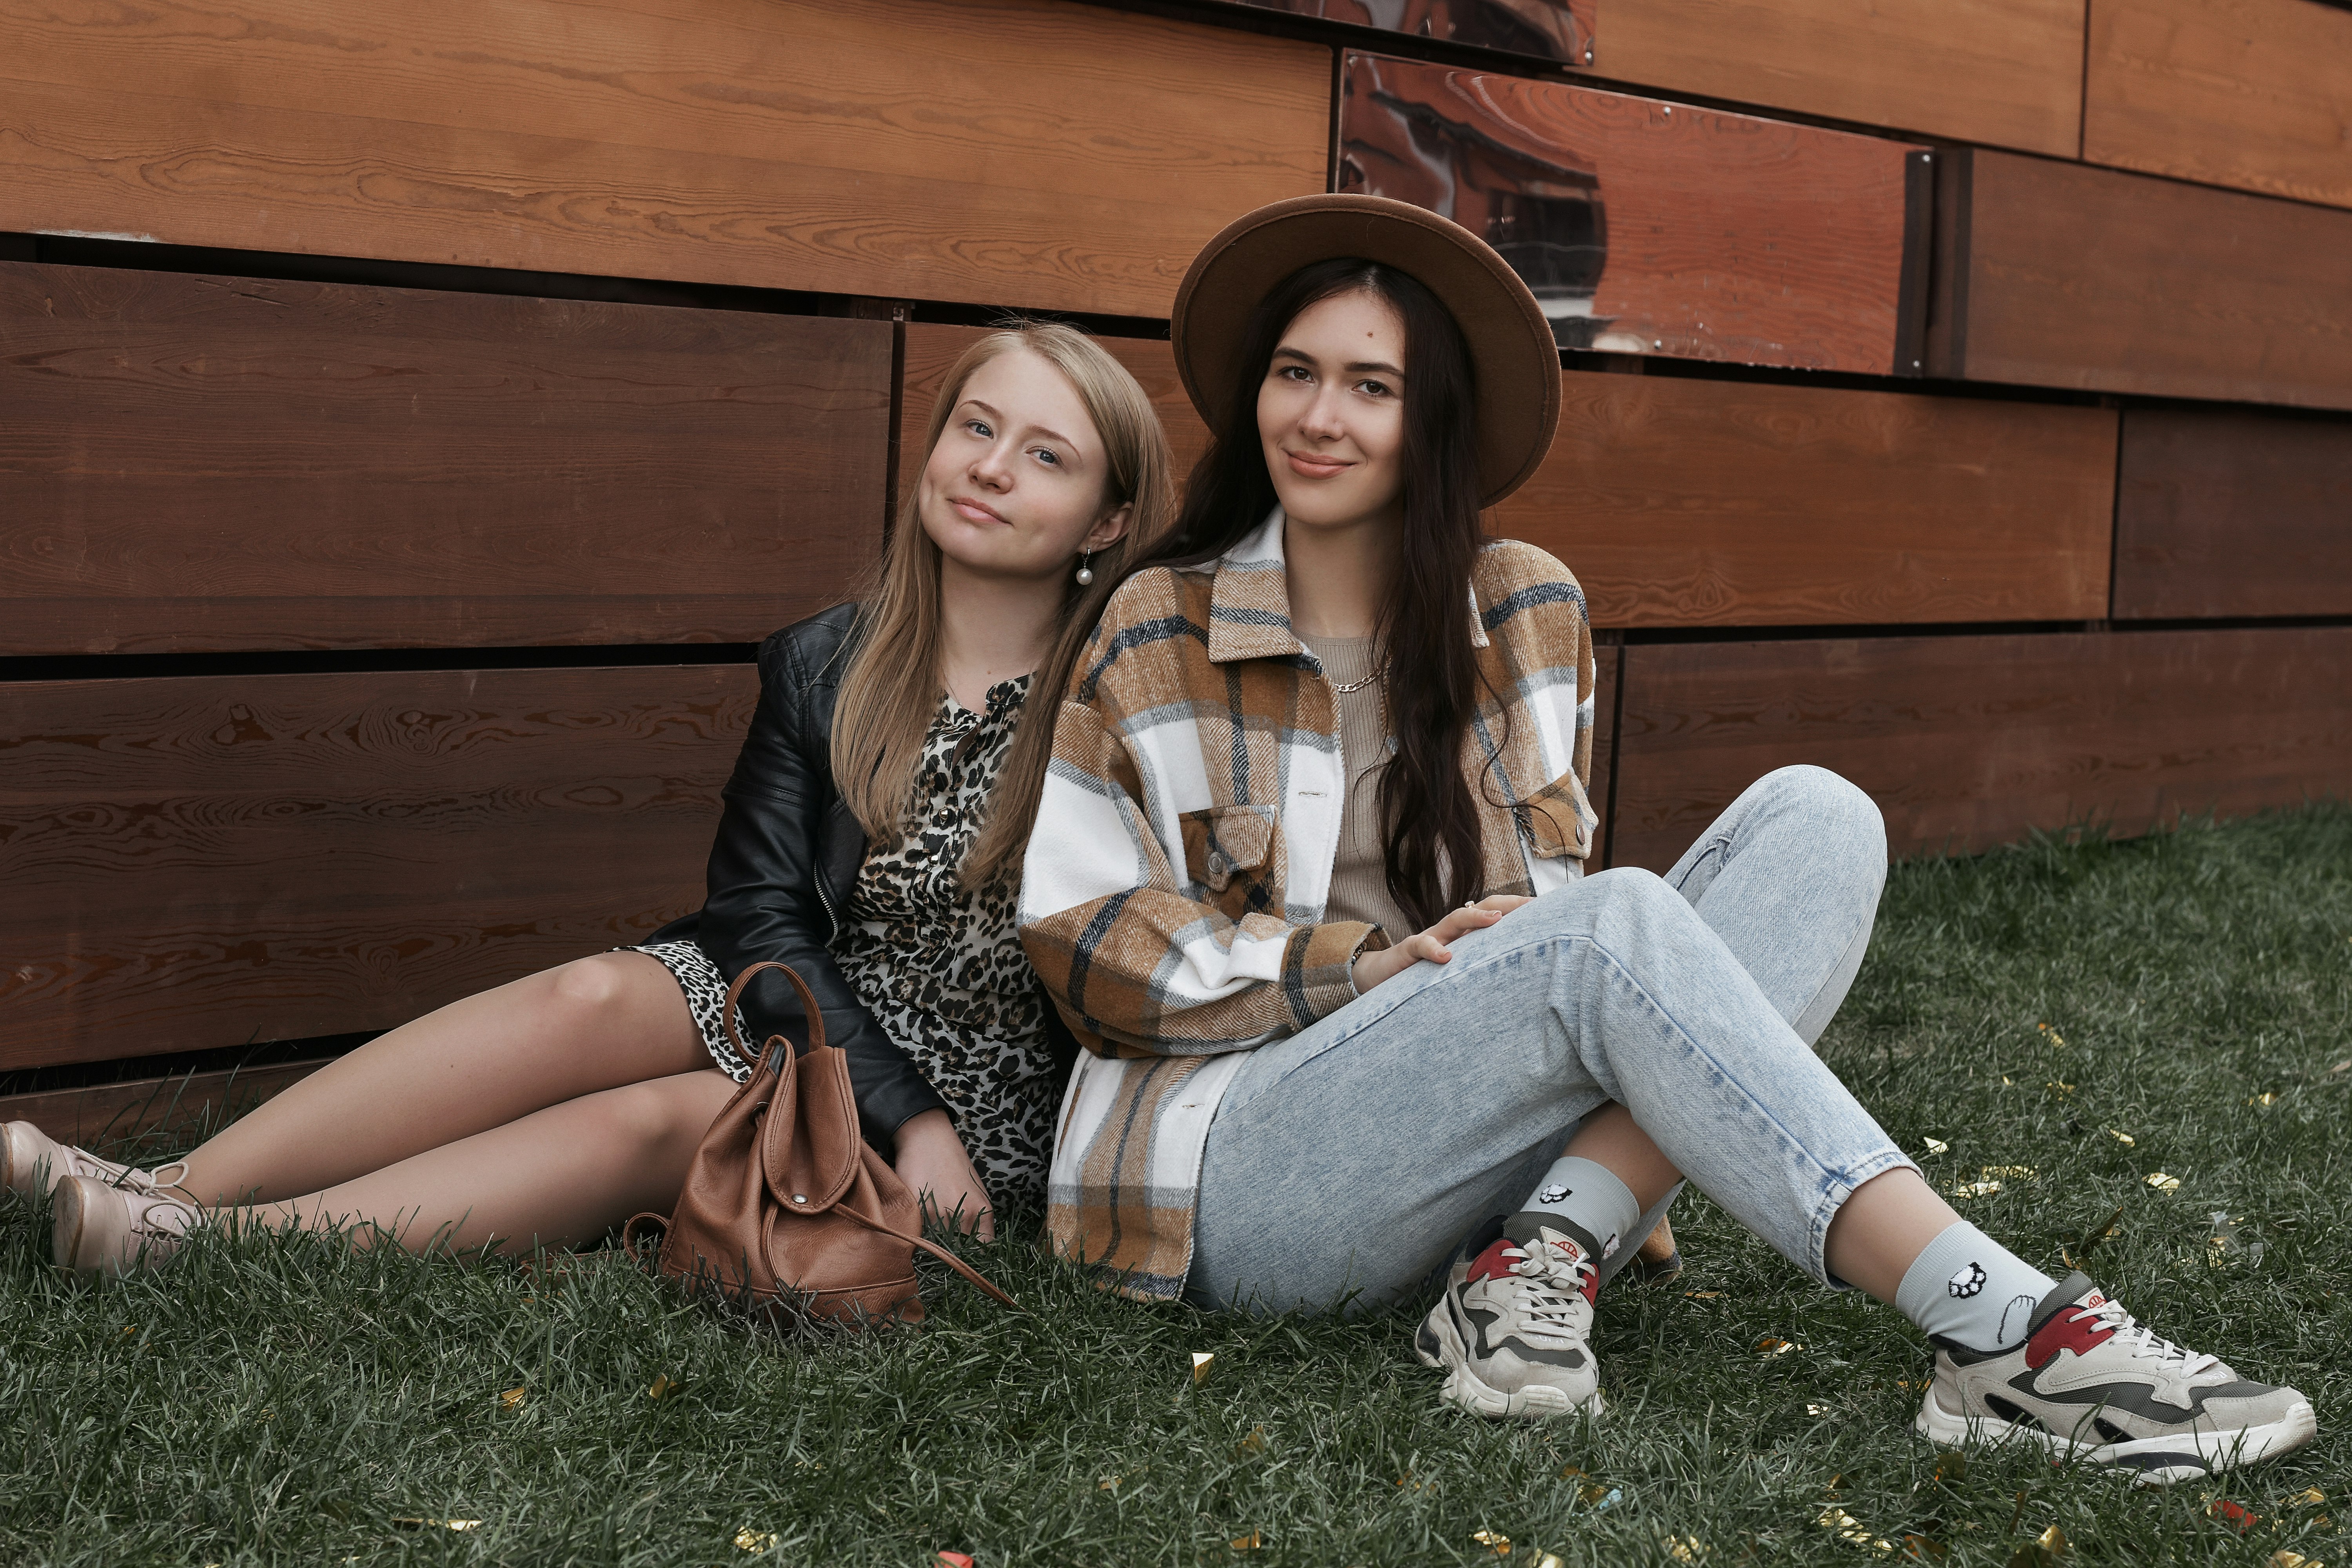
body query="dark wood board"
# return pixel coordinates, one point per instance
(2233, 512)
(107, 1114)
(1607, 661)
(2006, 73)
(1645, 226)
(2068, 275)
(196, 462)
(932, 349)
(1969, 741)
(2251, 93)
(1019, 152)
(210, 861)
(1681, 503)
(1555, 31)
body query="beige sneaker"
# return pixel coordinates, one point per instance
(101, 1229)
(26, 1152)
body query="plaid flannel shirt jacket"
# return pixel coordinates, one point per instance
(1174, 891)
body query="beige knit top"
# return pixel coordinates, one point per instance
(1360, 884)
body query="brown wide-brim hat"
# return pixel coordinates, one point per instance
(1513, 355)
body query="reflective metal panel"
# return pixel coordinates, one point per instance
(1549, 29)
(1651, 228)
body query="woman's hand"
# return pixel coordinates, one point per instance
(1432, 944)
(932, 1162)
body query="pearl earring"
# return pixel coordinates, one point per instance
(1086, 567)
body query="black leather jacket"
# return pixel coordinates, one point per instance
(782, 868)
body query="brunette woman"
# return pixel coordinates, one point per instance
(868, 839)
(1308, 878)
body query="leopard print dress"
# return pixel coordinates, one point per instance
(940, 967)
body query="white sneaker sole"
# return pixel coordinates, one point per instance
(1473, 1394)
(2158, 1461)
(69, 1218)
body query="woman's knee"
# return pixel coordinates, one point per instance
(1830, 804)
(608, 984)
(661, 1113)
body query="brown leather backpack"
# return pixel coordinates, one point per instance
(785, 1207)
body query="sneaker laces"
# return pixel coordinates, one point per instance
(1557, 1277)
(2138, 1339)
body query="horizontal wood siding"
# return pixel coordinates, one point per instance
(2251, 93)
(1725, 237)
(1681, 502)
(211, 861)
(1025, 153)
(2233, 512)
(1607, 662)
(198, 462)
(2065, 275)
(1968, 741)
(2005, 72)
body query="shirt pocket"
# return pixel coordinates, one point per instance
(1229, 849)
(1558, 820)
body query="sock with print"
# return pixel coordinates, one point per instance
(1588, 1196)
(1967, 1286)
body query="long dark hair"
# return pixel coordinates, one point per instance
(1429, 819)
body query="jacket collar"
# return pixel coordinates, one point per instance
(1249, 601)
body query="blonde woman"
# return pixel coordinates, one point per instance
(870, 839)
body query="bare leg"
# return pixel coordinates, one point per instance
(1874, 1237)
(1879, 1232)
(492, 1059)
(556, 1177)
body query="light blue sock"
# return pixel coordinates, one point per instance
(1967, 1286)
(1588, 1195)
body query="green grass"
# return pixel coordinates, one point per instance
(283, 1401)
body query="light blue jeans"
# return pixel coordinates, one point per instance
(1354, 1155)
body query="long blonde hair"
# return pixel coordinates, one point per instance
(893, 682)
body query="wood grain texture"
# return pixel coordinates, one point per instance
(1028, 152)
(1728, 236)
(1968, 741)
(2005, 72)
(933, 347)
(2067, 275)
(1552, 30)
(2251, 93)
(1681, 502)
(193, 462)
(1607, 661)
(2233, 512)
(103, 1115)
(209, 861)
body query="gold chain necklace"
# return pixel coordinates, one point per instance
(1355, 686)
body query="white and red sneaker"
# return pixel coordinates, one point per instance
(2091, 1383)
(1514, 1329)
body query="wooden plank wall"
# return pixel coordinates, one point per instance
(376, 591)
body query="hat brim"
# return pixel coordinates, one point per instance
(1515, 360)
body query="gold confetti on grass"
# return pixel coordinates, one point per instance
(1772, 1344)
(750, 1540)
(1702, 1295)
(2044, 1550)
(459, 1524)
(2054, 1087)
(2057, 1041)
(2283, 1558)
(1551, 1560)
(2309, 1497)
(1249, 1542)
(661, 1387)
(1201, 1360)
(1495, 1541)
(1253, 1444)
(512, 1399)
(1851, 1530)
(2125, 1139)
(1937, 1145)
(2268, 1097)
(1817, 1410)
(2162, 1183)
(1686, 1548)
